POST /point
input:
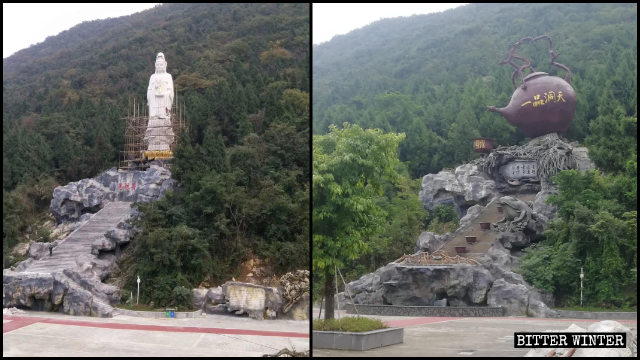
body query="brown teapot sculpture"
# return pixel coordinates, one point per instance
(542, 104)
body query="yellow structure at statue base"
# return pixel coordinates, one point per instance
(158, 154)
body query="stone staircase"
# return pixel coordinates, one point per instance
(485, 238)
(70, 279)
(78, 244)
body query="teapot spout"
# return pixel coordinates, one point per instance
(504, 112)
(495, 109)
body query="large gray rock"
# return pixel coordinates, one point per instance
(73, 200)
(465, 187)
(540, 206)
(395, 284)
(514, 298)
(498, 255)
(430, 242)
(198, 297)
(514, 240)
(472, 214)
(518, 299)
(255, 300)
(215, 296)
(107, 293)
(49, 292)
(537, 306)
(582, 160)
(368, 289)
(31, 290)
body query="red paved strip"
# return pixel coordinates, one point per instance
(17, 324)
(121, 326)
(419, 321)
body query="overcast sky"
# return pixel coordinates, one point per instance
(24, 25)
(337, 19)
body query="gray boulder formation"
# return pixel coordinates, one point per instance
(198, 297)
(472, 214)
(65, 291)
(70, 280)
(73, 200)
(26, 290)
(546, 212)
(430, 242)
(215, 296)
(459, 284)
(464, 187)
(395, 284)
(514, 297)
(255, 300)
(474, 266)
(290, 300)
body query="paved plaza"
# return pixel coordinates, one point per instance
(440, 336)
(53, 334)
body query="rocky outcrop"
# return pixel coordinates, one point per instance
(290, 300)
(472, 214)
(546, 212)
(66, 291)
(465, 187)
(27, 290)
(255, 300)
(430, 242)
(198, 297)
(461, 284)
(89, 195)
(474, 266)
(70, 279)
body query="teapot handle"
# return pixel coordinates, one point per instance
(567, 77)
(527, 64)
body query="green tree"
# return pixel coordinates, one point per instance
(595, 229)
(349, 167)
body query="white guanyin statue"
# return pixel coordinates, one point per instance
(159, 135)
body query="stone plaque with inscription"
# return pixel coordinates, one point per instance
(520, 169)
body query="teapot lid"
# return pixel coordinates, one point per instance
(534, 74)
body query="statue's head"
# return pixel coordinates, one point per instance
(161, 63)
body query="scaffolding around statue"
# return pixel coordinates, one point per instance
(135, 155)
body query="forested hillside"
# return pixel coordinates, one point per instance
(242, 71)
(431, 78)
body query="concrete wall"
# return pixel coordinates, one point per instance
(446, 311)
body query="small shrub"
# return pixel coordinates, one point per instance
(349, 324)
